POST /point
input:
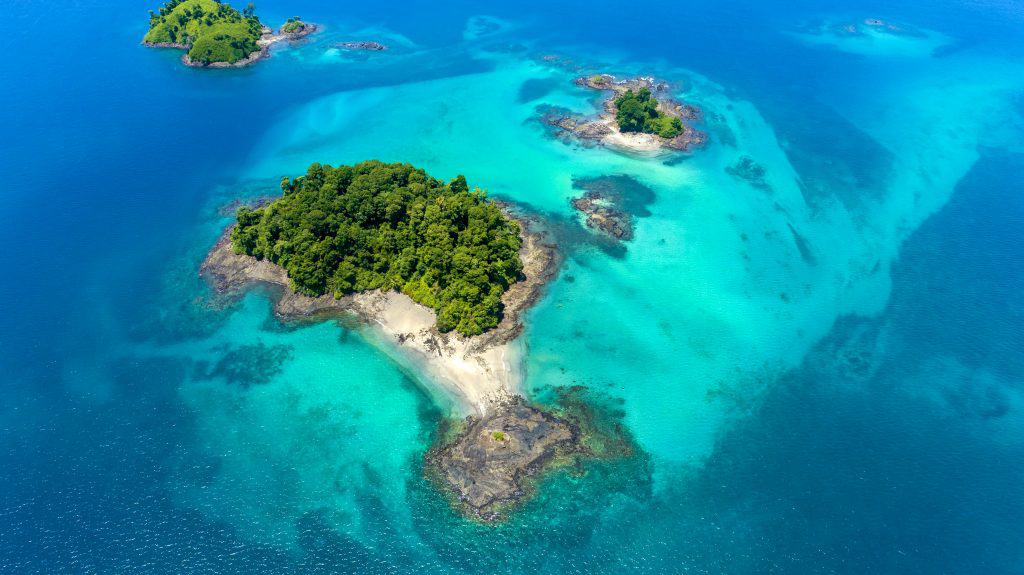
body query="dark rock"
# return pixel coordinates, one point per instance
(488, 465)
(604, 215)
(362, 45)
(750, 171)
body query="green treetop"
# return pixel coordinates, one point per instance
(638, 112)
(212, 31)
(389, 226)
(294, 24)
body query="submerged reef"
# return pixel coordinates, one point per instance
(604, 215)
(748, 170)
(611, 203)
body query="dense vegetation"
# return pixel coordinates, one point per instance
(212, 31)
(294, 24)
(638, 112)
(389, 226)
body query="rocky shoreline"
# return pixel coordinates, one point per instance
(490, 464)
(603, 128)
(487, 467)
(478, 372)
(266, 40)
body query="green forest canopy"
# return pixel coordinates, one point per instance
(389, 226)
(638, 112)
(294, 24)
(212, 31)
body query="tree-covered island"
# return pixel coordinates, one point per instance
(215, 34)
(638, 112)
(294, 25)
(389, 227)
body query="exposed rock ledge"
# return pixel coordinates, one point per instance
(487, 466)
(491, 463)
(362, 45)
(604, 215)
(603, 128)
(478, 372)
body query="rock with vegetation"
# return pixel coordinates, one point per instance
(377, 226)
(295, 26)
(487, 465)
(492, 463)
(637, 115)
(215, 35)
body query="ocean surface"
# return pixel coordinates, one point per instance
(822, 367)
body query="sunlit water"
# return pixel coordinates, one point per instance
(822, 370)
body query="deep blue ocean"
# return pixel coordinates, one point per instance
(823, 373)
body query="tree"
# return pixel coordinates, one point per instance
(389, 226)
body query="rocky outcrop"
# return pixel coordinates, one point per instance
(490, 463)
(361, 45)
(604, 216)
(603, 129)
(299, 32)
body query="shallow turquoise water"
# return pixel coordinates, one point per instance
(823, 373)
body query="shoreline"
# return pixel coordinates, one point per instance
(478, 373)
(267, 39)
(603, 128)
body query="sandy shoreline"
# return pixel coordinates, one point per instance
(477, 373)
(603, 127)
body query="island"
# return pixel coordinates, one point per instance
(637, 115)
(215, 35)
(441, 276)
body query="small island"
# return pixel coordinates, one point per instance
(637, 116)
(442, 273)
(442, 276)
(215, 35)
